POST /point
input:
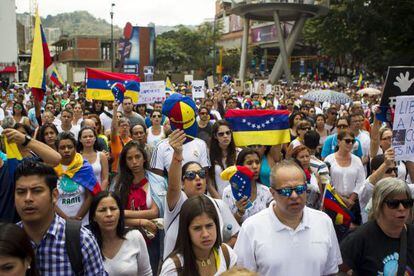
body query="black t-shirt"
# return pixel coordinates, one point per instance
(205, 133)
(369, 251)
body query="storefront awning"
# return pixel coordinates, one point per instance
(8, 69)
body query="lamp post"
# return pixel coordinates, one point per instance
(112, 36)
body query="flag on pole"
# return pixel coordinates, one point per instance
(359, 83)
(168, 85)
(40, 62)
(56, 78)
(259, 127)
(334, 206)
(99, 85)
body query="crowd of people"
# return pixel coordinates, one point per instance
(108, 188)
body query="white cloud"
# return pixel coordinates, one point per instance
(138, 12)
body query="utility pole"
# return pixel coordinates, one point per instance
(112, 36)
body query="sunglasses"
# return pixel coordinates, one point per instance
(395, 203)
(390, 170)
(221, 134)
(156, 116)
(305, 128)
(334, 113)
(287, 192)
(191, 175)
(341, 126)
(349, 141)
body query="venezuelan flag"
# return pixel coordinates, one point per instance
(41, 60)
(168, 85)
(99, 83)
(259, 127)
(335, 207)
(56, 78)
(86, 178)
(13, 155)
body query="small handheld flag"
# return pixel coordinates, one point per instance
(239, 178)
(118, 90)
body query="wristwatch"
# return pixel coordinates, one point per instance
(27, 140)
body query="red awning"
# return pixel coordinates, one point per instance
(8, 69)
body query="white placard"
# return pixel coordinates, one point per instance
(198, 89)
(403, 128)
(188, 78)
(268, 89)
(151, 91)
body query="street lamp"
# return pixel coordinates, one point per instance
(112, 36)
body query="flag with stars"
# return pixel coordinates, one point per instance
(239, 178)
(259, 127)
(99, 85)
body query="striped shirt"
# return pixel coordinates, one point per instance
(52, 258)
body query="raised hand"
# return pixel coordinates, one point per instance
(404, 82)
(177, 139)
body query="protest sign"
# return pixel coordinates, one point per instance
(210, 82)
(268, 89)
(198, 89)
(151, 91)
(238, 85)
(403, 128)
(399, 82)
(188, 78)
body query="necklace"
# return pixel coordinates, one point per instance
(205, 262)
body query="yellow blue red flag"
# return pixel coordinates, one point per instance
(259, 127)
(40, 61)
(334, 206)
(99, 85)
(56, 78)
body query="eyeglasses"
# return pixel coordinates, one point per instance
(349, 141)
(287, 192)
(395, 203)
(390, 170)
(191, 175)
(156, 116)
(221, 134)
(341, 126)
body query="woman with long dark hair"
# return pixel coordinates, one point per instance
(17, 257)
(199, 249)
(47, 134)
(87, 146)
(97, 107)
(20, 114)
(260, 196)
(124, 253)
(222, 155)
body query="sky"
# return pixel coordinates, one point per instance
(138, 12)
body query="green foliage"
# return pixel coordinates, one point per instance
(376, 34)
(80, 23)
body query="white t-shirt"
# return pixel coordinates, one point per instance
(74, 130)
(269, 247)
(169, 269)
(153, 140)
(221, 184)
(263, 199)
(71, 198)
(346, 180)
(195, 150)
(172, 218)
(131, 259)
(106, 120)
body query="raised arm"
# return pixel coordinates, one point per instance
(46, 153)
(114, 124)
(176, 140)
(375, 139)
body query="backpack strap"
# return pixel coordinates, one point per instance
(177, 263)
(73, 245)
(226, 255)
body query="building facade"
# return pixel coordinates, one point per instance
(8, 46)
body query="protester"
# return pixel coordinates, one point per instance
(35, 197)
(17, 256)
(285, 238)
(204, 125)
(124, 252)
(155, 133)
(48, 134)
(199, 249)
(66, 126)
(384, 245)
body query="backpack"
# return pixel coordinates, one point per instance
(179, 267)
(73, 245)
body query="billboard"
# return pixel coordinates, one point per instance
(128, 48)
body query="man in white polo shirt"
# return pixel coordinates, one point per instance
(288, 238)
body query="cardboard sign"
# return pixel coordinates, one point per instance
(210, 82)
(268, 89)
(260, 86)
(198, 89)
(151, 92)
(238, 85)
(188, 78)
(403, 128)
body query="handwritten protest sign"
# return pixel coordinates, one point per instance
(210, 82)
(198, 89)
(403, 128)
(151, 91)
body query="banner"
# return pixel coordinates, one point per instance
(403, 129)
(198, 89)
(151, 91)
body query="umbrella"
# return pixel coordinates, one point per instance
(369, 91)
(329, 96)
